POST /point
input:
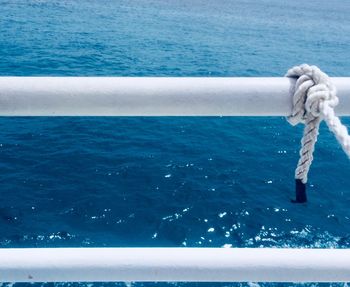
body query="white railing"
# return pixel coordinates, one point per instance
(125, 96)
(174, 264)
(114, 96)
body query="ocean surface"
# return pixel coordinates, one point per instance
(170, 181)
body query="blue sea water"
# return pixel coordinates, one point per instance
(171, 181)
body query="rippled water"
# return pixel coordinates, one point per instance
(213, 182)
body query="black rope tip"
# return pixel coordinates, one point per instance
(300, 192)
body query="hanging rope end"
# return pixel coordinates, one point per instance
(300, 192)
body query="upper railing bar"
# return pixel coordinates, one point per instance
(152, 96)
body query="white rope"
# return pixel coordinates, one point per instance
(314, 100)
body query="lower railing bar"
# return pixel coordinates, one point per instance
(152, 96)
(174, 264)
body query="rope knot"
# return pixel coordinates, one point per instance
(314, 99)
(313, 89)
(317, 96)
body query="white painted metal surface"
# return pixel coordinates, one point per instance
(125, 96)
(174, 264)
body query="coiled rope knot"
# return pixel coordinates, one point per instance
(314, 99)
(313, 90)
